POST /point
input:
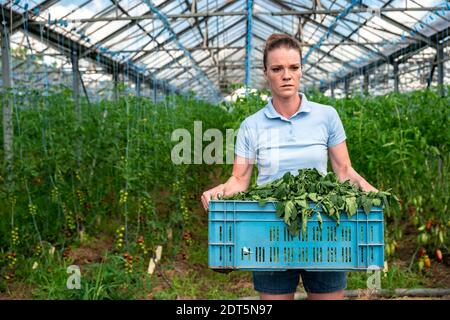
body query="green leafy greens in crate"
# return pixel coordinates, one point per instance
(293, 193)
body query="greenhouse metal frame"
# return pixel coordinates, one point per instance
(205, 46)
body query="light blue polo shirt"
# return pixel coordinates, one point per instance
(279, 145)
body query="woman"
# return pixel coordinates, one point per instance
(290, 133)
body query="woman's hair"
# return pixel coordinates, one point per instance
(279, 40)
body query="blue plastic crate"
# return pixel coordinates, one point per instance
(244, 235)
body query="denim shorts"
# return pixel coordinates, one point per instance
(284, 282)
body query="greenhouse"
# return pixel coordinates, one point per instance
(123, 123)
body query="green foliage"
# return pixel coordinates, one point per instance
(394, 278)
(295, 193)
(77, 178)
(401, 142)
(398, 142)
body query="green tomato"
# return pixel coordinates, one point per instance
(420, 265)
(387, 249)
(441, 237)
(392, 248)
(423, 238)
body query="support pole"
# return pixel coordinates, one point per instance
(346, 87)
(76, 83)
(248, 43)
(396, 77)
(153, 92)
(138, 86)
(116, 84)
(432, 68)
(366, 83)
(440, 66)
(76, 99)
(8, 132)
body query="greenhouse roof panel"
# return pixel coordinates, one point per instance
(338, 41)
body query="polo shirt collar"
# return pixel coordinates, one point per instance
(271, 113)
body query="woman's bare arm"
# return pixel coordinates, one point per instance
(239, 181)
(340, 161)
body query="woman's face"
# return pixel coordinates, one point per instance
(283, 72)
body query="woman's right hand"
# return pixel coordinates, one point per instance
(239, 181)
(213, 193)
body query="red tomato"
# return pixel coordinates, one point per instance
(439, 255)
(422, 252)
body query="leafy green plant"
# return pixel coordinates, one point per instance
(68, 174)
(294, 194)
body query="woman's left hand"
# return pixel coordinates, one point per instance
(340, 161)
(370, 188)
